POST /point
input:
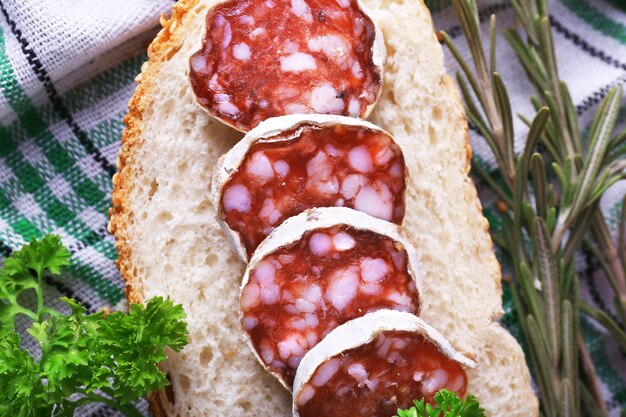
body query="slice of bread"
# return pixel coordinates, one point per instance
(169, 242)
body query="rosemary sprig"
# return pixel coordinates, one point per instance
(604, 164)
(551, 202)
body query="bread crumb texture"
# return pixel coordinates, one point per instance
(169, 242)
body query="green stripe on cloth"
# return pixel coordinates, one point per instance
(104, 84)
(35, 127)
(11, 89)
(107, 132)
(31, 126)
(6, 144)
(57, 215)
(31, 182)
(96, 281)
(16, 221)
(509, 319)
(100, 86)
(62, 217)
(598, 20)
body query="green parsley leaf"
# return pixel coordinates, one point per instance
(21, 390)
(66, 347)
(448, 405)
(47, 253)
(23, 271)
(129, 346)
(107, 358)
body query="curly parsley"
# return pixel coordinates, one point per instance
(84, 358)
(448, 405)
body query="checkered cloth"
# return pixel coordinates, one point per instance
(66, 74)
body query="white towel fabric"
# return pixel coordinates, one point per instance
(66, 70)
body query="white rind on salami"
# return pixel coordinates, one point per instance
(324, 96)
(322, 217)
(363, 330)
(272, 128)
(293, 230)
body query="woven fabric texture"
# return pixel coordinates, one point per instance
(66, 75)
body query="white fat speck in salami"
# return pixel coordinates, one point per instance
(237, 198)
(241, 51)
(297, 62)
(375, 364)
(317, 270)
(291, 163)
(287, 56)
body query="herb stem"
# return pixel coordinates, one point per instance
(23, 310)
(577, 235)
(589, 370)
(40, 306)
(547, 47)
(614, 264)
(603, 235)
(562, 225)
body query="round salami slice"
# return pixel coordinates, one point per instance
(266, 58)
(291, 163)
(318, 270)
(373, 365)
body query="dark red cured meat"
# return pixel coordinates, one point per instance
(320, 167)
(376, 379)
(266, 58)
(301, 292)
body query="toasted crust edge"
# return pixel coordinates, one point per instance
(162, 48)
(167, 42)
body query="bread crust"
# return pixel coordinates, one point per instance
(167, 42)
(161, 49)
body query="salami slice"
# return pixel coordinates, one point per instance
(317, 271)
(266, 58)
(373, 365)
(292, 163)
